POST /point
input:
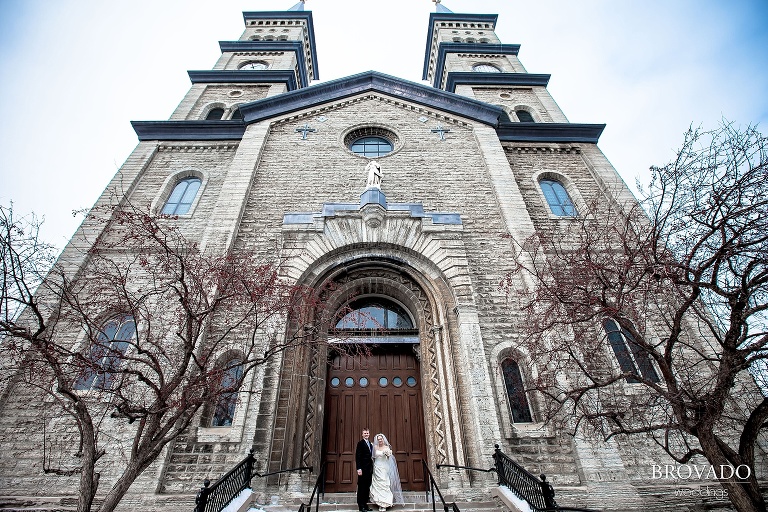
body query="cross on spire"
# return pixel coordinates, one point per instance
(442, 131)
(305, 130)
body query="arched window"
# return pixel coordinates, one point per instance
(631, 356)
(558, 199)
(374, 313)
(224, 410)
(485, 68)
(237, 114)
(524, 116)
(215, 114)
(106, 354)
(182, 196)
(513, 382)
(371, 147)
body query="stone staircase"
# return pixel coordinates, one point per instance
(414, 501)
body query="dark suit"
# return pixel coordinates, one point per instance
(363, 462)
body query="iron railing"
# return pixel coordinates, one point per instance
(469, 468)
(215, 497)
(316, 492)
(431, 490)
(539, 494)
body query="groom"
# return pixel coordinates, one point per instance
(364, 464)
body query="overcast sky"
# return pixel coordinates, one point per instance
(74, 73)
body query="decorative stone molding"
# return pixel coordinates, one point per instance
(417, 256)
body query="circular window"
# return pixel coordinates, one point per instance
(371, 142)
(335, 382)
(371, 147)
(383, 382)
(397, 382)
(363, 382)
(349, 382)
(485, 68)
(255, 65)
(411, 381)
(236, 93)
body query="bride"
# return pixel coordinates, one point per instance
(385, 485)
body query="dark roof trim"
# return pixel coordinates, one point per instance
(370, 81)
(284, 15)
(445, 48)
(272, 46)
(444, 16)
(189, 130)
(236, 76)
(502, 79)
(549, 132)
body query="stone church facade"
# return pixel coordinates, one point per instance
(277, 166)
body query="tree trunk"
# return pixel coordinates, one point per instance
(89, 479)
(743, 497)
(116, 493)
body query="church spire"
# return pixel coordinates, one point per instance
(299, 6)
(439, 7)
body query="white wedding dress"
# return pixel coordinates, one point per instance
(381, 490)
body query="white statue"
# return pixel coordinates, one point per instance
(374, 174)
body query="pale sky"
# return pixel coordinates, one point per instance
(76, 72)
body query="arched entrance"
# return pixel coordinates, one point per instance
(373, 381)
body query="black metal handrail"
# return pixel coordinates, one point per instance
(539, 494)
(432, 488)
(214, 497)
(470, 468)
(316, 492)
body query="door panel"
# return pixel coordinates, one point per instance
(389, 402)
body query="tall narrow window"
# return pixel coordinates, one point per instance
(106, 354)
(558, 199)
(215, 114)
(513, 381)
(524, 116)
(180, 200)
(631, 356)
(224, 411)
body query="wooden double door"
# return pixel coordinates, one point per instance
(381, 390)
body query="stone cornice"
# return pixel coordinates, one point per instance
(370, 81)
(501, 79)
(477, 48)
(237, 76)
(272, 46)
(280, 15)
(189, 130)
(549, 132)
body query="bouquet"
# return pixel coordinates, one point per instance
(387, 452)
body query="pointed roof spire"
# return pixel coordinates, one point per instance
(299, 6)
(440, 7)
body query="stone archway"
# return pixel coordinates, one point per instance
(418, 259)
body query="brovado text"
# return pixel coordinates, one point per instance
(693, 471)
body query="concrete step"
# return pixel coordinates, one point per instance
(414, 501)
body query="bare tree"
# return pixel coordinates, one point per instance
(647, 320)
(136, 340)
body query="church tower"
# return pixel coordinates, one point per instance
(396, 202)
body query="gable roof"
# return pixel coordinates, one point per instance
(370, 81)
